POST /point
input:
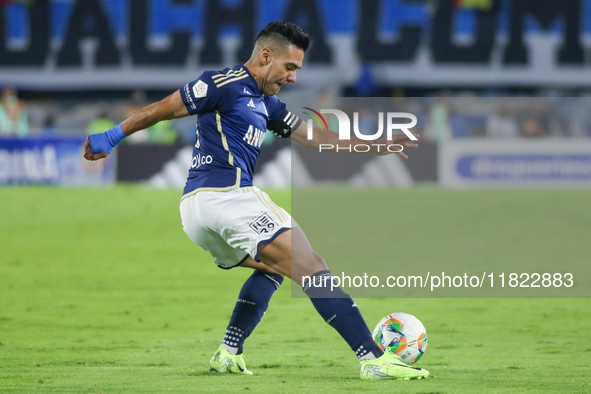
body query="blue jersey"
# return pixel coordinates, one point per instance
(233, 116)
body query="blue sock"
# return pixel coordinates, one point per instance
(338, 309)
(250, 308)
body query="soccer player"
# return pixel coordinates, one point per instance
(236, 222)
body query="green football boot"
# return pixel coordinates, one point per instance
(222, 361)
(388, 366)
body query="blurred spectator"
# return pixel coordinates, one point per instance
(460, 125)
(13, 115)
(138, 101)
(49, 124)
(532, 128)
(100, 124)
(326, 101)
(502, 124)
(365, 86)
(161, 133)
(367, 122)
(438, 126)
(536, 122)
(574, 113)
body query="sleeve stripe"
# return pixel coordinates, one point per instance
(293, 121)
(285, 124)
(232, 73)
(232, 80)
(277, 284)
(296, 124)
(290, 118)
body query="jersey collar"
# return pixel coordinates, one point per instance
(253, 82)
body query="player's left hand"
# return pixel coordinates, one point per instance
(89, 155)
(402, 140)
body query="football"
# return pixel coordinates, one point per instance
(404, 334)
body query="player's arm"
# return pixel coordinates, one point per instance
(327, 137)
(98, 146)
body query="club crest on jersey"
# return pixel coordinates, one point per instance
(254, 136)
(263, 224)
(200, 89)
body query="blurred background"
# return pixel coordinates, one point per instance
(483, 77)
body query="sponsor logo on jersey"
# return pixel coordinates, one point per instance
(246, 91)
(254, 136)
(188, 98)
(200, 160)
(263, 224)
(200, 89)
(251, 104)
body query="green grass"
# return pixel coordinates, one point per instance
(385, 232)
(102, 292)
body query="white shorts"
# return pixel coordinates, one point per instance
(231, 225)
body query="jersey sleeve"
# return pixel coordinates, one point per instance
(282, 122)
(201, 95)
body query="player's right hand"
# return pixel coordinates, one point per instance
(89, 155)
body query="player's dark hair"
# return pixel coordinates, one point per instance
(286, 33)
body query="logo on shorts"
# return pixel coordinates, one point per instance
(263, 224)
